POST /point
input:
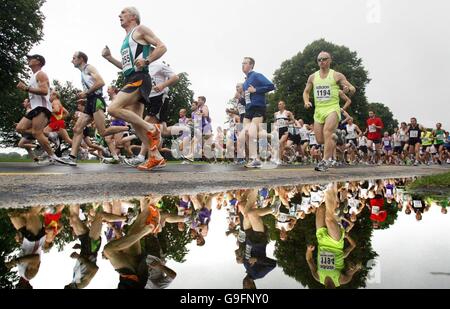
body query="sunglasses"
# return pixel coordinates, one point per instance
(322, 59)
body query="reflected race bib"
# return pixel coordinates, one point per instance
(417, 204)
(375, 210)
(327, 260)
(247, 98)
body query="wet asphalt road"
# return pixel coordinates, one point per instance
(27, 184)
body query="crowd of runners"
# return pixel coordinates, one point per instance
(121, 225)
(130, 128)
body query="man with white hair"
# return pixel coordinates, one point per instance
(137, 54)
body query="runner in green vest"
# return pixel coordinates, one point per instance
(326, 84)
(137, 54)
(439, 142)
(330, 268)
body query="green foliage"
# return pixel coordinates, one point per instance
(173, 241)
(386, 116)
(8, 245)
(180, 96)
(441, 181)
(290, 80)
(21, 24)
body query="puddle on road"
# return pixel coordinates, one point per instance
(368, 234)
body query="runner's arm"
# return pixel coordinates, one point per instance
(311, 263)
(344, 83)
(346, 99)
(351, 247)
(106, 53)
(307, 91)
(99, 83)
(148, 36)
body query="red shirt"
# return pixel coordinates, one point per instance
(374, 122)
(376, 210)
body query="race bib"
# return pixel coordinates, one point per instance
(241, 236)
(389, 193)
(387, 143)
(414, 134)
(304, 135)
(417, 204)
(126, 60)
(247, 98)
(312, 140)
(282, 217)
(327, 260)
(323, 93)
(291, 130)
(375, 210)
(372, 129)
(241, 109)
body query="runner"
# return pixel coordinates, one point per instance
(95, 106)
(255, 88)
(325, 83)
(137, 55)
(37, 119)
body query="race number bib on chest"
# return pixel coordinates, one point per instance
(126, 60)
(323, 93)
(414, 134)
(282, 217)
(247, 98)
(327, 260)
(241, 109)
(372, 129)
(375, 210)
(417, 204)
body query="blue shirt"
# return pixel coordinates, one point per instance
(262, 86)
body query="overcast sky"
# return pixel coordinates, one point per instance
(404, 44)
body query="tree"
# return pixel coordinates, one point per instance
(386, 116)
(21, 24)
(8, 245)
(290, 80)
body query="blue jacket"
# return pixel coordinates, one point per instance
(262, 86)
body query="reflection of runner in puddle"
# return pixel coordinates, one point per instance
(255, 259)
(159, 275)
(89, 235)
(31, 236)
(125, 253)
(330, 268)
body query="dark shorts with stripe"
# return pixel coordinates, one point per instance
(158, 108)
(139, 81)
(37, 111)
(94, 103)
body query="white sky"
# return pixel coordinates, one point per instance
(404, 44)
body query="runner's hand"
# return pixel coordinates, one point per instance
(308, 105)
(158, 88)
(82, 95)
(106, 53)
(22, 86)
(251, 89)
(311, 248)
(140, 63)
